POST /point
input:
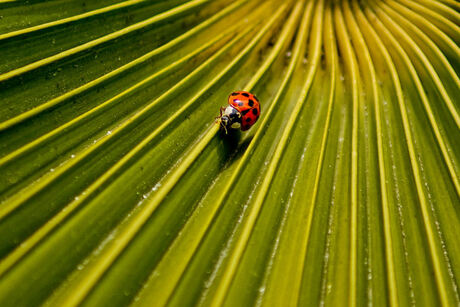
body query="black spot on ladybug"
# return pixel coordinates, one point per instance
(251, 103)
(255, 98)
(245, 94)
(248, 119)
(245, 112)
(240, 104)
(234, 93)
(254, 111)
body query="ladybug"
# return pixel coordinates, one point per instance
(242, 111)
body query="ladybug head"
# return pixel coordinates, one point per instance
(230, 118)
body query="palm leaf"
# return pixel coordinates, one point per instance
(118, 188)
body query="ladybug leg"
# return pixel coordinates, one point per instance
(217, 117)
(222, 109)
(220, 116)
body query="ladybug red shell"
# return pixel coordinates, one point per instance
(248, 105)
(243, 111)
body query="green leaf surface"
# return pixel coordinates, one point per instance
(117, 186)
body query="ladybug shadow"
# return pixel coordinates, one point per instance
(229, 140)
(232, 145)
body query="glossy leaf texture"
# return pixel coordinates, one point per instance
(117, 186)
